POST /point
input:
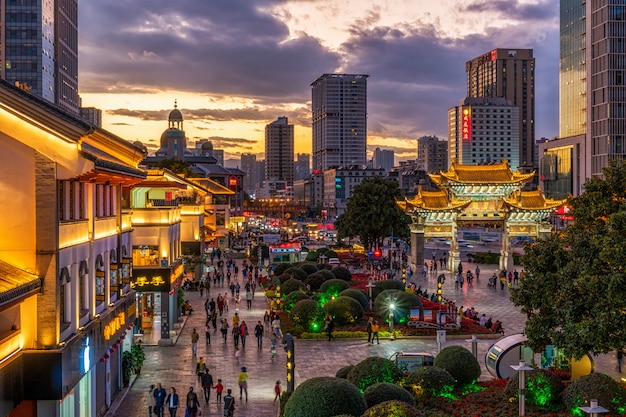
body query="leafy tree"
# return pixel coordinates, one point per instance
(574, 289)
(178, 166)
(372, 213)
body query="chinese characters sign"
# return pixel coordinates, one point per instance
(466, 130)
(151, 280)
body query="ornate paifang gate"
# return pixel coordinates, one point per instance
(477, 195)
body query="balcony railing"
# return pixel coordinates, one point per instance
(150, 216)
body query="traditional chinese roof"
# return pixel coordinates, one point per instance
(16, 283)
(434, 201)
(483, 174)
(532, 200)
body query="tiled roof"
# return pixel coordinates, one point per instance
(15, 282)
(533, 200)
(495, 174)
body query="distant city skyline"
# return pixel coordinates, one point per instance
(231, 79)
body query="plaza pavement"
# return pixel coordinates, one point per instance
(175, 365)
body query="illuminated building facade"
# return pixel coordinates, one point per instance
(339, 120)
(66, 304)
(508, 74)
(483, 131)
(279, 151)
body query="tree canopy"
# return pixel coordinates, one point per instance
(574, 287)
(372, 213)
(178, 166)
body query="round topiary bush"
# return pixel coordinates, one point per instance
(393, 408)
(344, 310)
(326, 272)
(280, 269)
(460, 363)
(309, 268)
(315, 281)
(402, 301)
(341, 272)
(290, 300)
(333, 287)
(309, 314)
(358, 295)
(343, 372)
(543, 387)
(331, 254)
(284, 278)
(324, 397)
(388, 284)
(297, 273)
(430, 380)
(324, 267)
(312, 256)
(292, 285)
(609, 393)
(372, 370)
(385, 391)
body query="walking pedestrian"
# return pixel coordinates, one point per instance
(172, 402)
(224, 329)
(375, 329)
(229, 403)
(244, 333)
(242, 379)
(249, 298)
(194, 341)
(329, 327)
(159, 400)
(236, 332)
(369, 329)
(277, 391)
(200, 368)
(207, 383)
(207, 332)
(477, 271)
(258, 332)
(193, 405)
(151, 401)
(620, 357)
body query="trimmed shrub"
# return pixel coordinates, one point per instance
(385, 391)
(297, 273)
(333, 287)
(345, 310)
(312, 256)
(275, 281)
(373, 370)
(284, 278)
(341, 272)
(292, 285)
(460, 363)
(309, 268)
(331, 254)
(290, 300)
(280, 269)
(315, 281)
(393, 408)
(388, 284)
(542, 387)
(284, 397)
(358, 295)
(325, 267)
(403, 301)
(430, 380)
(308, 314)
(326, 272)
(609, 393)
(343, 372)
(324, 397)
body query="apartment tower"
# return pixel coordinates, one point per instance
(279, 151)
(508, 73)
(339, 105)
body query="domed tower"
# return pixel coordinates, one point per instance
(173, 140)
(206, 149)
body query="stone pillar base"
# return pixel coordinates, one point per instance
(166, 342)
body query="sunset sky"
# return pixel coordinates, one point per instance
(236, 65)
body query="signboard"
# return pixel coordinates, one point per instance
(151, 280)
(466, 130)
(411, 362)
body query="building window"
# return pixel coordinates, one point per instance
(64, 299)
(100, 279)
(83, 275)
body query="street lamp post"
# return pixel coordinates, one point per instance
(474, 342)
(522, 368)
(392, 306)
(594, 410)
(369, 286)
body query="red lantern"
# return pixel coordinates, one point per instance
(106, 356)
(101, 359)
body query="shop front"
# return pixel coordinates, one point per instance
(156, 304)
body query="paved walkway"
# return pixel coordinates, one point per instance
(175, 365)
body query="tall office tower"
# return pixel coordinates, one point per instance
(508, 73)
(482, 131)
(279, 144)
(302, 166)
(91, 115)
(383, 159)
(247, 163)
(39, 49)
(339, 105)
(432, 154)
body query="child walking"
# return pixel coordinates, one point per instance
(277, 391)
(218, 390)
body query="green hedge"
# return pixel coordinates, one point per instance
(460, 363)
(392, 408)
(343, 372)
(297, 273)
(292, 285)
(358, 295)
(344, 310)
(325, 397)
(609, 393)
(388, 284)
(543, 388)
(402, 300)
(385, 391)
(333, 287)
(431, 381)
(373, 370)
(315, 281)
(341, 272)
(308, 314)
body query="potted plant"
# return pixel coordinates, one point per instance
(128, 367)
(138, 356)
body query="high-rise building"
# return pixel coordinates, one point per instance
(383, 158)
(279, 148)
(302, 166)
(339, 105)
(39, 49)
(92, 115)
(483, 131)
(592, 107)
(432, 154)
(508, 73)
(247, 163)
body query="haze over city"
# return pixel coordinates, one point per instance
(235, 66)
